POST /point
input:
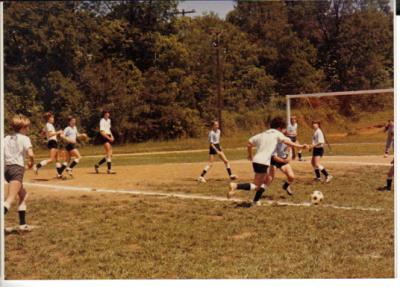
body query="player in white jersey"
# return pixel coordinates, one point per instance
(214, 137)
(318, 141)
(16, 147)
(70, 136)
(292, 134)
(52, 144)
(107, 139)
(265, 143)
(280, 160)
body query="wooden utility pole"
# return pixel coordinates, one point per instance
(217, 45)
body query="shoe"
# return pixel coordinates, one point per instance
(96, 168)
(256, 203)
(328, 178)
(317, 179)
(233, 177)
(35, 169)
(110, 171)
(301, 159)
(232, 189)
(69, 171)
(201, 179)
(383, 188)
(289, 191)
(24, 227)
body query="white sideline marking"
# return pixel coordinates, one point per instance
(192, 196)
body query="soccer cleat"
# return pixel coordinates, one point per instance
(201, 179)
(96, 168)
(110, 171)
(289, 191)
(24, 227)
(256, 203)
(328, 178)
(233, 177)
(232, 189)
(317, 179)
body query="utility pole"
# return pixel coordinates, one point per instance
(217, 45)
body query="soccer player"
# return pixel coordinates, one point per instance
(107, 138)
(16, 147)
(389, 129)
(70, 135)
(318, 141)
(265, 143)
(214, 137)
(280, 160)
(292, 134)
(52, 144)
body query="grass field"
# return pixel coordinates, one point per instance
(99, 235)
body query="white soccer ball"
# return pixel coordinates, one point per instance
(317, 197)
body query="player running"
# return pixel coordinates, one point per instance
(107, 139)
(265, 143)
(292, 134)
(70, 135)
(52, 145)
(318, 141)
(389, 179)
(214, 137)
(16, 147)
(280, 160)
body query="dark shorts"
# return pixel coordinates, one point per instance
(217, 146)
(70, 147)
(318, 151)
(14, 172)
(52, 144)
(293, 139)
(277, 164)
(260, 168)
(104, 140)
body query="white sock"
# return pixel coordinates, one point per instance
(43, 163)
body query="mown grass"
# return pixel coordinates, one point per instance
(103, 236)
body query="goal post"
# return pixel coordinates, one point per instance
(330, 94)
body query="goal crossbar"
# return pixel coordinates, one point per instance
(331, 94)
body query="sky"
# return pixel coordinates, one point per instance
(221, 7)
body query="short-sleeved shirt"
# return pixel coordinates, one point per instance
(281, 149)
(71, 133)
(265, 143)
(292, 130)
(390, 130)
(15, 149)
(50, 128)
(105, 126)
(318, 138)
(214, 136)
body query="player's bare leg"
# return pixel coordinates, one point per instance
(208, 166)
(227, 165)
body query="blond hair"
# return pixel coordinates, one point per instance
(19, 122)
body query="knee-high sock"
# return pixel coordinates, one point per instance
(205, 169)
(389, 181)
(63, 167)
(109, 163)
(259, 193)
(22, 213)
(41, 164)
(228, 169)
(74, 163)
(323, 170)
(317, 173)
(103, 160)
(246, 186)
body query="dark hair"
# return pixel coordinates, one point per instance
(317, 122)
(277, 123)
(104, 113)
(213, 122)
(70, 118)
(47, 116)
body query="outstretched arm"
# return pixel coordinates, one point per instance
(250, 151)
(292, 144)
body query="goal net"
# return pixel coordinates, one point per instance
(349, 116)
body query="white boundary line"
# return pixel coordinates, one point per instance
(2, 250)
(192, 196)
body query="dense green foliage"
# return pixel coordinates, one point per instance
(156, 71)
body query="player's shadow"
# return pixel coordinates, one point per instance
(41, 179)
(243, 204)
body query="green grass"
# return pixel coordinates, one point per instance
(103, 236)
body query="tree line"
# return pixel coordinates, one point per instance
(155, 71)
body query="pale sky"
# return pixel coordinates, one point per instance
(221, 7)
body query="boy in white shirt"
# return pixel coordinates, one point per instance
(16, 147)
(107, 139)
(265, 143)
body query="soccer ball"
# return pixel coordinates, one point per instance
(317, 197)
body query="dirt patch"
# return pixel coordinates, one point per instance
(243, 235)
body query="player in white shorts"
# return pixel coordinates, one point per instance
(107, 139)
(16, 147)
(215, 148)
(265, 143)
(292, 134)
(280, 160)
(70, 135)
(52, 144)
(318, 141)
